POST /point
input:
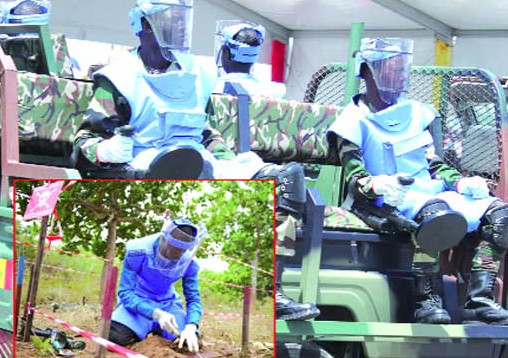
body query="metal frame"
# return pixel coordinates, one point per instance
(393, 332)
(243, 99)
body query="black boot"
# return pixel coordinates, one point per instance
(481, 306)
(429, 305)
(286, 308)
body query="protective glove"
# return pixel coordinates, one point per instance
(166, 320)
(387, 186)
(189, 335)
(473, 186)
(117, 149)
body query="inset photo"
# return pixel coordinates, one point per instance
(144, 268)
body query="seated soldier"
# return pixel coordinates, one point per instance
(382, 135)
(237, 48)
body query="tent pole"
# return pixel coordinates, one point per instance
(352, 83)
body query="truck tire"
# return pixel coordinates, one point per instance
(301, 350)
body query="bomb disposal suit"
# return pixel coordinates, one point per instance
(151, 267)
(394, 140)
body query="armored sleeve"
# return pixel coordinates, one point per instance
(127, 293)
(108, 109)
(190, 284)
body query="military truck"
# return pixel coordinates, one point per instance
(360, 279)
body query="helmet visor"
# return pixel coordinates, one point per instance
(392, 77)
(177, 245)
(390, 62)
(172, 27)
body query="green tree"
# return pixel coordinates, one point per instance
(100, 216)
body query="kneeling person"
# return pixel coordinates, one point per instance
(147, 300)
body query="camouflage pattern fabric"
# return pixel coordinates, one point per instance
(280, 130)
(338, 218)
(62, 57)
(51, 108)
(286, 234)
(487, 257)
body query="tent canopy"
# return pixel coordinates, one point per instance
(446, 18)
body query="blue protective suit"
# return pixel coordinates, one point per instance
(167, 109)
(143, 289)
(394, 141)
(170, 110)
(252, 85)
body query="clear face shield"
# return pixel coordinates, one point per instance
(225, 30)
(172, 28)
(177, 246)
(390, 62)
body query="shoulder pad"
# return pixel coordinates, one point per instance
(140, 246)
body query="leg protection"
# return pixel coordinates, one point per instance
(494, 225)
(439, 227)
(431, 207)
(290, 181)
(122, 335)
(285, 307)
(481, 305)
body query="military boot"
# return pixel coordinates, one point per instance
(429, 305)
(290, 182)
(286, 308)
(480, 306)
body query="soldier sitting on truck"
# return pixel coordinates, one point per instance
(382, 136)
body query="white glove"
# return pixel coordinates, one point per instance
(389, 187)
(474, 186)
(166, 320)
(189, 335)
(117, 149)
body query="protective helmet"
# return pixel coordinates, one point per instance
(390, 63)
(178, 243)
(171, 22)
(26, 12)
(227, 32)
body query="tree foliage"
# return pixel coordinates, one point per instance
(238, 215)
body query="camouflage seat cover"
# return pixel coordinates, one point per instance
(27, 55)
(50, 111)
(284, 130)
(338, 218)
(281, 130)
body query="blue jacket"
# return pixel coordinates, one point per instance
(143, 288)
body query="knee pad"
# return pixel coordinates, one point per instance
(430, 208)
(290, 181)
(440, 227)
(494, 226)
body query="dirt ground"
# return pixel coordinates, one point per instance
(219, 335)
